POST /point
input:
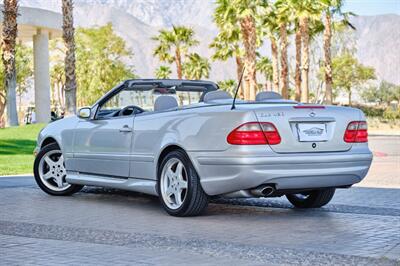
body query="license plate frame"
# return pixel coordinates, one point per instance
(312, 132)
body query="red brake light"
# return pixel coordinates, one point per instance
(356, 132)
(254, 133)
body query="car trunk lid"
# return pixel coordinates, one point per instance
(309, 129)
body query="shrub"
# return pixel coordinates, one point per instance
(371, 111)
(391, 114)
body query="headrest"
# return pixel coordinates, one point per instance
(216, 95)
(267, 95)
(165, 102)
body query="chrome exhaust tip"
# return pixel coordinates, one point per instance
(262, 191)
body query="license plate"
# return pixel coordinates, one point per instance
(312, 132)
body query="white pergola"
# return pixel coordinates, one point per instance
(38, 26)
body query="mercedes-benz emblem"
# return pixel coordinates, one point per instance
(312, 114)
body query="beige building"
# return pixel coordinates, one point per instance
(38, 26)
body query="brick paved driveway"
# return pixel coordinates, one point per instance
(101, 227)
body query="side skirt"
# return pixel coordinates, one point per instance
(133, 184)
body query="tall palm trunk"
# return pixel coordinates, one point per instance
(275, 65)
(266, 87)
(239, 70)
(350, 96)
(248, 30)
(2, 108)
(284, 61)
(297, 73)
(327, 54)
(10, 14)
(69, 60)
(305, 60)
(178, 62)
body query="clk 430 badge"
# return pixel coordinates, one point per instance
(277, 114)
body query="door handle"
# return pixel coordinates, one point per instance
(125, 128)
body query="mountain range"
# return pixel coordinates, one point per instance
(136, 21)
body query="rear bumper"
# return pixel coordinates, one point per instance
(225, 174)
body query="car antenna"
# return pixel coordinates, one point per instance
(237, 90)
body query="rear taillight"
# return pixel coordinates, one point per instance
(254, 133)
(357, 131)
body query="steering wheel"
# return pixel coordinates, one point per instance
(129, 110)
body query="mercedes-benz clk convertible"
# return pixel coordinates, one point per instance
(187, 141)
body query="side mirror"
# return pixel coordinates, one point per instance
(84, 113)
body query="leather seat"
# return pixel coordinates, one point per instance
(268, 95)
(165, 102)
(216, 95)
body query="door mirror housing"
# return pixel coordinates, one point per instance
(84, 112)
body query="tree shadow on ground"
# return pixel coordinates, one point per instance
(16, 146)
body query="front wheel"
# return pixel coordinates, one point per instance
(312, 199)
(50, 173)
(179, 186)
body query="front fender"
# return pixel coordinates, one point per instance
(62, 131)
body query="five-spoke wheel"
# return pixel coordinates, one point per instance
(50, 173)
(179, 186)
(174, 183)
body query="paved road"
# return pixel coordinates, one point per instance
(385, 169)
(101, 226)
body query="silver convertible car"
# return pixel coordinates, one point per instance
(187, 141)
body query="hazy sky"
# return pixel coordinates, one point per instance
(372, 7)
(360, 7)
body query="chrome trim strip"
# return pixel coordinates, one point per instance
(312, 119)
(121, 157)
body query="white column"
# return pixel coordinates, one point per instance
(42, 76)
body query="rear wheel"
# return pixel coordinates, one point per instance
(312, 199)
(50, 173)
(179, 186)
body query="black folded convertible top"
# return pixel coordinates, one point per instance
(180, 84)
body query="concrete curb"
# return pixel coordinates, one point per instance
(19, 175)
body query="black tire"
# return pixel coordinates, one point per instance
(196, 200)
(69, 191)
(312, 199)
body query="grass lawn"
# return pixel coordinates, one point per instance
(16, 149)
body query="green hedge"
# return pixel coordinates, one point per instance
(388, 113)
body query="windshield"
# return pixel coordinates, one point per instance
(145, 99)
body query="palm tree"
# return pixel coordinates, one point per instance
(306, 11)
(69, 40)
(196, 67)
(270, 28)
(176, 41)
(264, 65)
(331, 7)
(246, 14)
(163, 72)
(283, 12)
(10, 14)
(297, 72)
(228, 85)
(227, 43)
(305, 58)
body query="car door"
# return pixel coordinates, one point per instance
(103, 146)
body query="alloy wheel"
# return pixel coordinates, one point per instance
(52, 171)
(174, 183)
